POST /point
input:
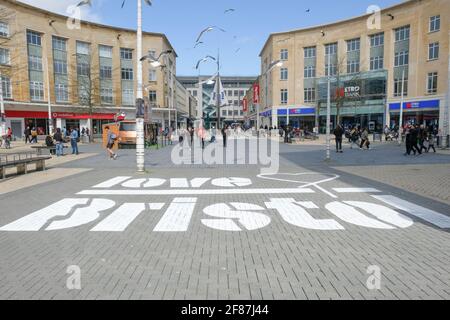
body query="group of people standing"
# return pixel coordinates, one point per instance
(60, 137)
(419, 139)
(356, 136)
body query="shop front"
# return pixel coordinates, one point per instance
(19, 120)
(356, 100)
(299, 117)
(420, 112)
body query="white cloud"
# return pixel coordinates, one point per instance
(60, 6)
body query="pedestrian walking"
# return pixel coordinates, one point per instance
(414, 139)
(58, 137)
(338, 133)
(74, 136)
(111, 139)
(34, 135)
(224, 136)
(365, 139)
(27, 134)
(430, 139)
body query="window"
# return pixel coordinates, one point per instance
(284, 96)
(152, 96)
(236, 93)
(105, 72)
(61, 93)
(152, 75)
(83, 69)
(352, 66)
(33, 38)
(401, 58)
(4, 29)
(126, 54)
(309, 72)
(82, 48)
(435, 23)
(433, 51)
(236, 103)
(59, 44)
(330, 70)
(36, 90)
(106, 95)
(402, 33)
(432, 80)
(127, 97)
(6, 86)
(331, 48)
(230, 93)
(224, 113)
(309, 52)
(377, 40)
(376, 63)
(284, 54)
(310, 95)
(152, 53)
(105, 51)
(283, 74)
(60, 66)
(353, 45)
(35, 63)
(127, 74)
(398, 87)
(194, 93)
(230, 113)
(4, 56)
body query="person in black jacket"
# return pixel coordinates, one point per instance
(414, 139)
(338, 133)
(58, 137)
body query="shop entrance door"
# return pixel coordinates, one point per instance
(16, 127)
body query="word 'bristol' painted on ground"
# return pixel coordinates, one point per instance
(382, 212)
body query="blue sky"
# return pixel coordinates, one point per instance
(247, 28)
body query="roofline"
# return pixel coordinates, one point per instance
(95, 24)
(407, 2)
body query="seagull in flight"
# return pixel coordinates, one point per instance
(229, 10)
(209, 29)
(237, 50)
(308, 10)
(197, 44)
(153, 58)
(84, 2)
(204, 60)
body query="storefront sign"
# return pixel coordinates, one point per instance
(428, 104)
(352, 92)
(245, 105)
(58, 115)
(256, 93)
(293, 111)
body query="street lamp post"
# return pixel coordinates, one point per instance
(140, 147)
(273, 65)
(400, 121)
(2, 109)
(328, 108)
(49, 106)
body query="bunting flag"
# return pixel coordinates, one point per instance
(223, 96)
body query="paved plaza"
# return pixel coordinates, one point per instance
(365, 225)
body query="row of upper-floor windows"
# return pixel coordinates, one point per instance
(399, 85)
(401, 34)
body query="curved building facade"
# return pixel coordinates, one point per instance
(82, 71)
(369, 59)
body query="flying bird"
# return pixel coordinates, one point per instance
(153, 58)
(204, 60)
(84, 2)
(50, 22)
(197, 44)
(229, 10)
(323, 33)
(209, 29)
(390, 15)
(308, 10)
(237, 50)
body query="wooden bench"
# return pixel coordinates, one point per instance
(44, 147)
(20, 161)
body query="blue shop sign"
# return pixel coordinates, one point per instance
(428, 104)
(293, 111)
